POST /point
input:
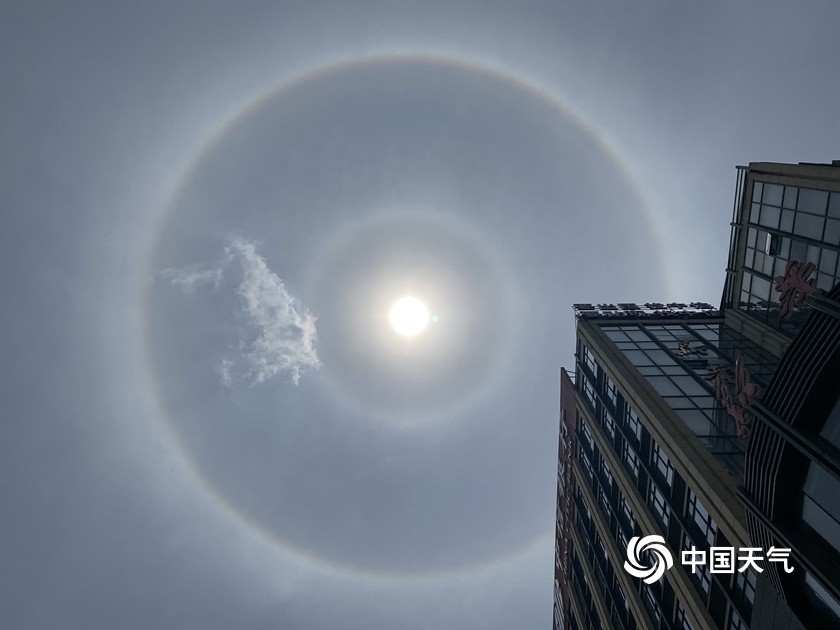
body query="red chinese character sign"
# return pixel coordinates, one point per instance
(795, 286)
(736, 406)
(689, 350)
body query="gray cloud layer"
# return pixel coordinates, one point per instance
(277, 335)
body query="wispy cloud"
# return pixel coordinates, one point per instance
(285, 341)
(224, 370)
(278, 336)
(193, 276)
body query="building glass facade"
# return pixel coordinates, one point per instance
(718, 428)
(680, 360)
(629, 471)
(788, 222)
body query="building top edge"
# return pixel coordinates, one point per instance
(629, 310)
(816, 170)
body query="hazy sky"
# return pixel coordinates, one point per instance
(207, 211)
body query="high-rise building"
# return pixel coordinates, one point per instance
(786, 231)
(715, 428)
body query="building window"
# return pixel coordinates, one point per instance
(586, 436)
(622, 539)
(587, 465)
(631, 419)
(621, 605)
(745, 587)
(819, 506)
(588, 391)
(773, 194)
(583, 509)
(657, 503)
(663, 464)
(808, 216)
(698, 513)
(682, 622)
(757, 187)
(589, 361)
(601, 551)
(813, 201)
(609, 423)
(604, 501)
(628, 514)
(652, 607)
(606, 475)
(610, 391)
(735, 621)
(772, 244)
(631, 460)
(818, 597)
(701, 574)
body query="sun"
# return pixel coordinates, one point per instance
(409, 316)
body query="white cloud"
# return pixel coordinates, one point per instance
(279, 334)
(285, 330)
(225, 372)
(192, 276)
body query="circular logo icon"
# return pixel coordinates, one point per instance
(658, 552)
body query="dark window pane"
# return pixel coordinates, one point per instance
(761, 288)
(822, 512)
(813, 201)
(712, 335)
(770, 216)
(786, 224)
(690, 386)
(790, 197)
(832, 232)
(664, 386)
(681, 402)
(819, 597)
(828, 261)
(697, 421)
(798, 250)
(773, 194)
(637, 357)
(834, 205)
(745, 282)
(825, 281)
(774, 244)
(809, 225)
(615, 335)
(660, 357)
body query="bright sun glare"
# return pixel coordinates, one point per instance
(409, 316)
